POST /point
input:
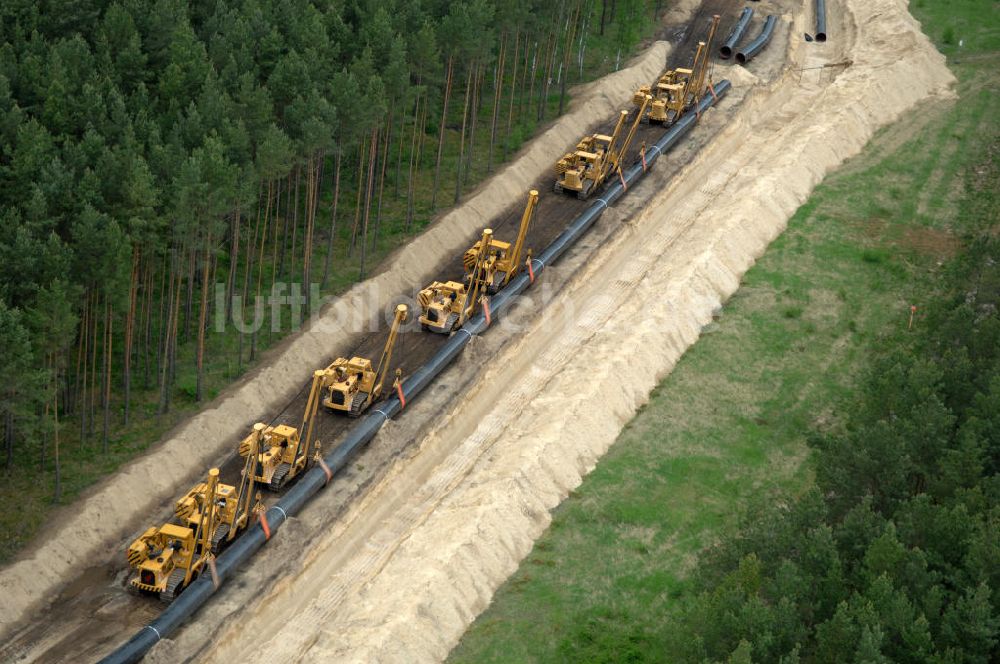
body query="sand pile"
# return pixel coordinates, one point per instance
(93, 529)
(420, 557)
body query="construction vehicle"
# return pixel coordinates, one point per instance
(584, 170)
(168, 558)
(353, 385)
(233, 507)
(280, 452)
(502, 262)
(446, 305)
(679, 89)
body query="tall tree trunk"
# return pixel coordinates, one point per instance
(147, 318)
(400, 143)
(532, 77)
(167, 328)
(279, 267)
(274, 246)
(381, 184)
(133, 292)
(203, 320)
(84, 354)
(411, 180)
(165, 300)
(444, 116)
(189, 296)
(362, 148)
(368, 196)
(247, 274)
(567, 52)
(295, 219)
(313, 189)
(234, 254)
(477, 84)
(513, 90)
(8, 435)
(333, 218)
(94, 393)
(260, 265)
(461, 142)
(497, 94)
(55, 432)
(108, 333)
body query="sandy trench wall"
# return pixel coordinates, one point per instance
(559, 400)
(97, 524)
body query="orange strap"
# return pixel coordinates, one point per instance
(326, 469)
(266, 528)
(215, 573)
(711, 89)
(531, 271)
(643, 153)
(486, 310)
(399, 391)
(621, 176)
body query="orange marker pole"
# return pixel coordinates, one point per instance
(531, 271)
(399, 392)
(326, 469)
(215, 573)
(266, 528)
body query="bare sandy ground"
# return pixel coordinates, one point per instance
(93, 528)
(401, 574)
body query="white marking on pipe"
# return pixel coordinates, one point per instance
(280, 509)
(602, 201)
(462, 329)
(380, 412)
(155, 631)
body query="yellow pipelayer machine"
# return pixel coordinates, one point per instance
(281, 453)
(353, 385)
(446, 305)
(168, 558)
(584, 170)
(502, 263)
(678, 89)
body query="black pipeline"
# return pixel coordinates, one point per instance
(747, 53)
(821, 20)
(736, 34)
(233, 558)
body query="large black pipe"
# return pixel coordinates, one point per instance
(315, 479)
(821, 20)
(736, 34)
(747, 53)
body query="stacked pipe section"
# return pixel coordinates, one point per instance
(736, 34)
(821, 20)
(747, 53)
(241, 550)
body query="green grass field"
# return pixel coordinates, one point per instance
(727, 429)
